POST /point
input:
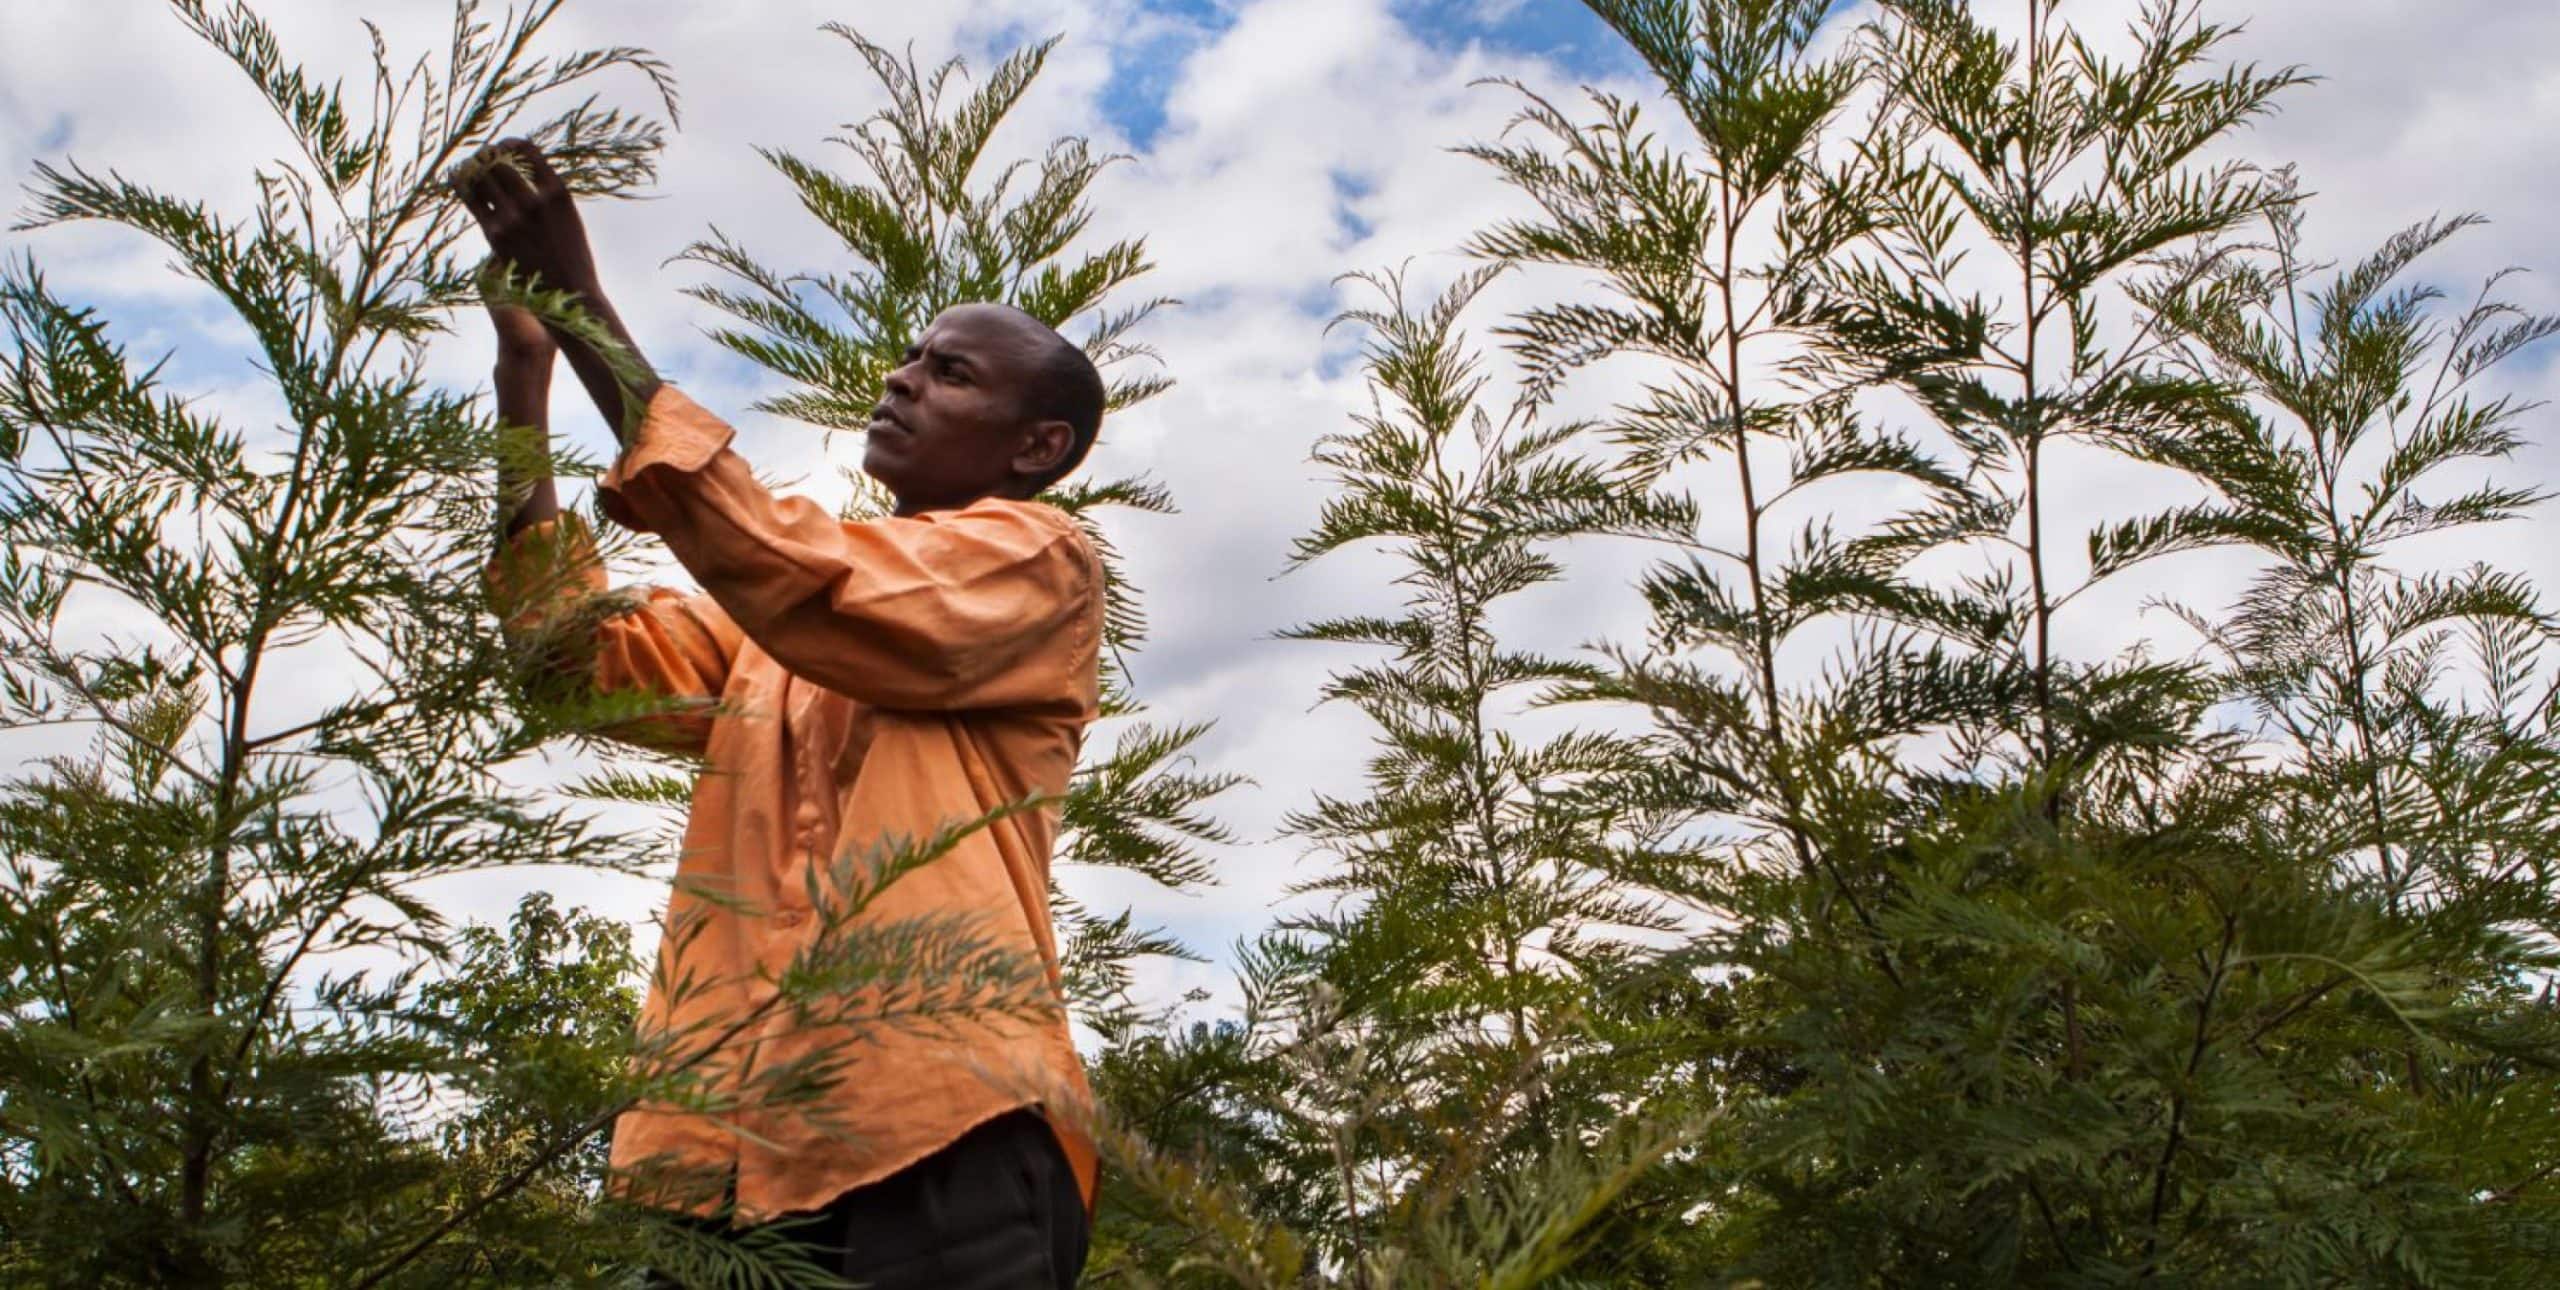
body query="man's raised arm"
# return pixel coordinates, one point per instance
(522, 380)
(532, 223)
(546, 575)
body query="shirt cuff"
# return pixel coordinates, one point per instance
(544, 566)
(675, 434)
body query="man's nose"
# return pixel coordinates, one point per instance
(902, 381)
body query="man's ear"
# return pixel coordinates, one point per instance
(1043, 449)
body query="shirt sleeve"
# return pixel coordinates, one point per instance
(551, 594)
(989, 606)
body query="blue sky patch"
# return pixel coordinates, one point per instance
(1348, 191)
(1144, 72)
(1564, 31)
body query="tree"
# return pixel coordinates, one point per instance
(2410, 713)
(1712, 257)
(2071, 171)
(233, 1057)
(209, 1078)
(924, 230)
(2121, 1006)
(1415, 1091)
(2341, 654)
(1713, 240)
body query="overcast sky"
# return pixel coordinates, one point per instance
(1274, 144)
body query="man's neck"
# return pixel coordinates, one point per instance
(907, 510)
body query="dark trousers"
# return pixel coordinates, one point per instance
(996, 1210)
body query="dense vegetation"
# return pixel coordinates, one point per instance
(1847, 928)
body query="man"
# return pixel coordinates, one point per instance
(852, 685)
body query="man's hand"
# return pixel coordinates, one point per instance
(529, 217)
(531, 220)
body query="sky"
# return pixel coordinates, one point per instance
(1272, 146)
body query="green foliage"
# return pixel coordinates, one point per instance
(541, 1012)
(2045, 172)
(1713, 257)
(205, 1045)
(1991, 964)
(925, 231)
(1219, 1211)
(244, 1047)
(2069, 981)
(1407, 1099)
(2387, 691)
(1848, 929)
(1479, 858)
(924, 227)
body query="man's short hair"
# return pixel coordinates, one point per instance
(1066, 386)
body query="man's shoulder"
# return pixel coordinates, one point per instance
(1061, 542)
(1040, 521)
(1027, 511)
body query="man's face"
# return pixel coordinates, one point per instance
(949, 428)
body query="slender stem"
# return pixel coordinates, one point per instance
(2029, 396)
(1763, 622)
(1469, 615)
(2052, 1229)
(2160, 1172)
(2329, 449)
(2360, 705)
(204, 1089)
(2508, 1194)
(2294, 1008)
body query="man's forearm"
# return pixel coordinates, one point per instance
(526, 495)
(622, 384)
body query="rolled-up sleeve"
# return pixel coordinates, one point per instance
(982, 607)
(550, 591)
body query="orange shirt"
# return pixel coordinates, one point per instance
(862, 683)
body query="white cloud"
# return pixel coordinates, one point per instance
(1300, 139)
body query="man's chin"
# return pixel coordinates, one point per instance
(878, 465)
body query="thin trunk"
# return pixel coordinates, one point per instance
(2161, 1172)
(205, 1090)
(2359, 705)
(2029, 401)
(1764, 630)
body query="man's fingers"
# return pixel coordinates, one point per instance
(508, 187)
(458, 182)
(475, 201)
(503, 181)
(534, 166)
(471, 183)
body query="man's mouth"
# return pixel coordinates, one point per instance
(884, 419)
